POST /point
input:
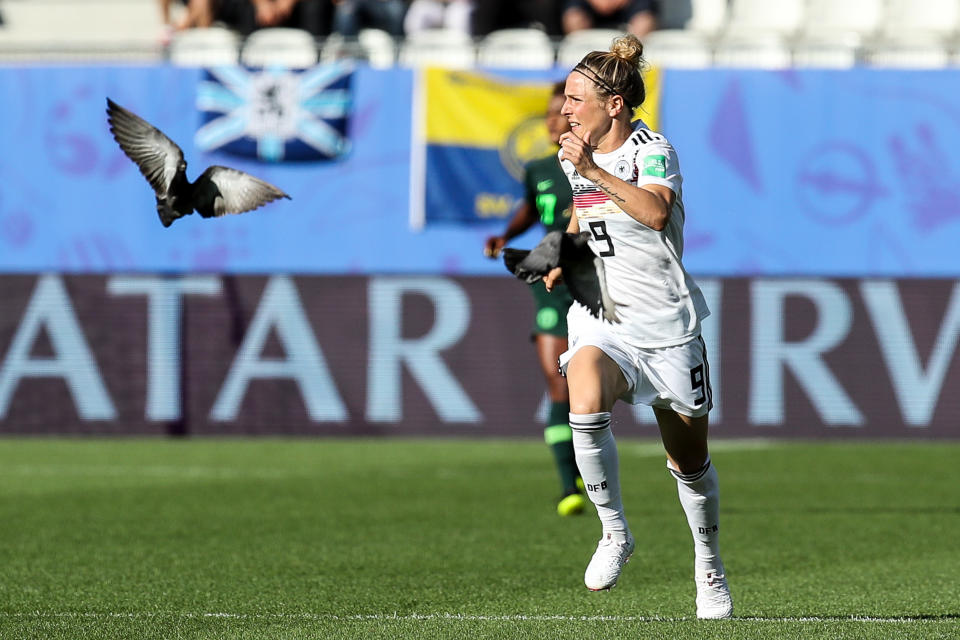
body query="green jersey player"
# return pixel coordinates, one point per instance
(548, 200)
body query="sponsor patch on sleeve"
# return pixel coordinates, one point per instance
(655, 166)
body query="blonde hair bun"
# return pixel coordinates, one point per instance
(617, 71)
(628, 48)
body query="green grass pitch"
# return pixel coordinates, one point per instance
(401, 538)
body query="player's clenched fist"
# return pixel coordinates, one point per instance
(578, 151)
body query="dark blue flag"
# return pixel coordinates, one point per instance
(276, 114)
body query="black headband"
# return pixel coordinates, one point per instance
(594, 77)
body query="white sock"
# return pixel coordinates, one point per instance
(596, 454)
(700, 498)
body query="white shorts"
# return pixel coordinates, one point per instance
(676, 377)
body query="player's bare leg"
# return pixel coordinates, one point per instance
(688, 459)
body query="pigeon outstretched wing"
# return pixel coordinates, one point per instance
(222, 190)
(583, 271)
(157, 156)
(586, 279)
(218, 191)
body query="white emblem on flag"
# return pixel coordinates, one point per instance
(276, 114)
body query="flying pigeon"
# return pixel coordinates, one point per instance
(218, 190)
(583, 271)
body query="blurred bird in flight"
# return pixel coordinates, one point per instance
(218, 191)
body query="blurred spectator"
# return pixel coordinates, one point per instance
(309, 15)
(639, 16)
(491, 15)
(439, 14)
(349, 16)
(248, 15)
(197, 13)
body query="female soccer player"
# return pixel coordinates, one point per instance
(547, 199)
(627, 193)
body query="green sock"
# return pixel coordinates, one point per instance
(560, 439)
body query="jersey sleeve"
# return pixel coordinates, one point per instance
(657, 163)
(566, 166)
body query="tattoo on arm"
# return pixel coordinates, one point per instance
(608, 189)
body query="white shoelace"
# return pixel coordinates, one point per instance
(615, 560)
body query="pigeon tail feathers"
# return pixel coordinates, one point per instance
(607, 305)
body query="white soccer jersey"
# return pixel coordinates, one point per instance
(658, 302)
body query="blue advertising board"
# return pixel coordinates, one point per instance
(818, 172)
(835, 173)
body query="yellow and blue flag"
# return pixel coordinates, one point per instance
(473, 135)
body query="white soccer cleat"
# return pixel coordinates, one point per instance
(713, 596)
(613, 551)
